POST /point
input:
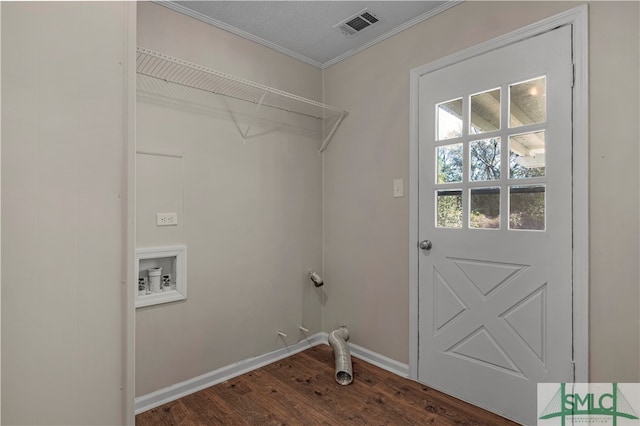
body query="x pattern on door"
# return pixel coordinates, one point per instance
(525, 317)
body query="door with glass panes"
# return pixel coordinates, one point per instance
(495, 220)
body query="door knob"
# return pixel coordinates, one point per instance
(425, 245)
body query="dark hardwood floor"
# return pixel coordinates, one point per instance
(301, 390)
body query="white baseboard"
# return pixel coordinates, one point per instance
(386, 363)
(171, 393)
(378, 360)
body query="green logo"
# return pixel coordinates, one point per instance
(569, 402)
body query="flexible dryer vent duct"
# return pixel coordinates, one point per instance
(338, 341)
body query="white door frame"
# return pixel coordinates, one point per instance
(0, 205)
(578, 18)
(129, 278)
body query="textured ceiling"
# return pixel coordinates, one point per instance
(304, 29)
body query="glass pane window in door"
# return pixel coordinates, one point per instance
(527, 102)
(527, 207)
(449, 208)
(485, 112)
(527, 155)
(449, 119)
(449, 163)
(484, 159)
(484, 206)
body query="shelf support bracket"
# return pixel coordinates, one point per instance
(246, 132)
(332, 132)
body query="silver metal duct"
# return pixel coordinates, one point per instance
(338, 341)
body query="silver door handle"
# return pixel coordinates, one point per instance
(425, 245)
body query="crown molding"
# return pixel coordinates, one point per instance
(223, 26)
(177, 7)
(433, 12)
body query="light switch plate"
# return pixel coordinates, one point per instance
(398, 188)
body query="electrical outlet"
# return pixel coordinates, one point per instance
(166, 219)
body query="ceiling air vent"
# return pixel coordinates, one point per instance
(356, 23)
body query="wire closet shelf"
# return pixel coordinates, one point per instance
(178, 71)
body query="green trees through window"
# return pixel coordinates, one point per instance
(526, 203)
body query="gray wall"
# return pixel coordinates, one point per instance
(250, 214)
(63, 145)
(366, 230)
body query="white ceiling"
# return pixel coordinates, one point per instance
(304, 29)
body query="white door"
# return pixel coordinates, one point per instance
(495, 276)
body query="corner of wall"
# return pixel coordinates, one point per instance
(323, 326)
(129, 212)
